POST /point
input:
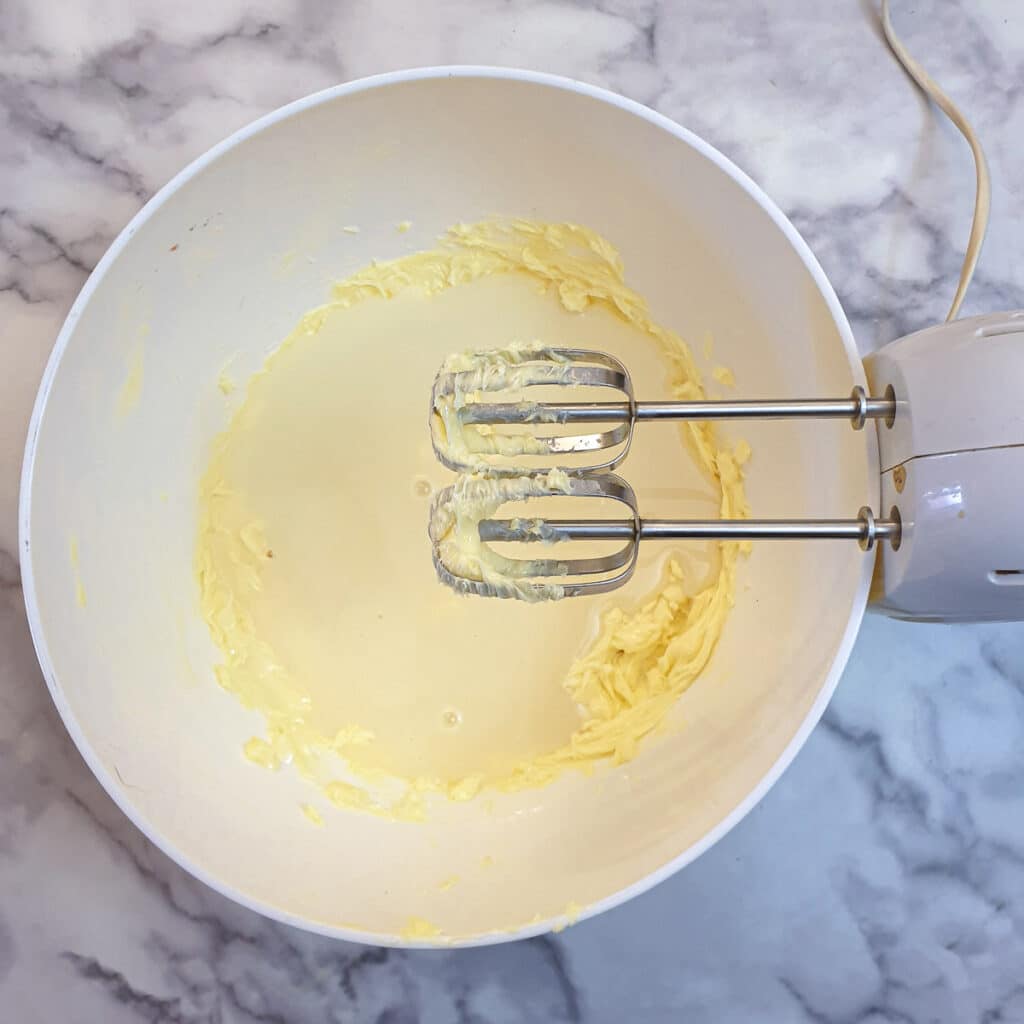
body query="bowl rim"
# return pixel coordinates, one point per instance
(106, 779)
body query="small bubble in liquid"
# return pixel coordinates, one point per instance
(421, 487)
(451, 718)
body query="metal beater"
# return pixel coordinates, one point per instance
(469, 437)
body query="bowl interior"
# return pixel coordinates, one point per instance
(220, 267)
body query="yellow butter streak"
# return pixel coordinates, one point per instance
(131, 390)
(79, 588)
(419, 928)
(312, 814)
(724, 376)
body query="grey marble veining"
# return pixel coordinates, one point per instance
(882, 879)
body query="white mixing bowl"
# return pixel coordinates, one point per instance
(203, 273)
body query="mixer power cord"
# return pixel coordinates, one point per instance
(983, 188)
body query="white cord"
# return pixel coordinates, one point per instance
(982, 194)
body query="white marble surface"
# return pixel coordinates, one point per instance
(883, 878)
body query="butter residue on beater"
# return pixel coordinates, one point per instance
(455, 516)
(490, 370)
(641, 661)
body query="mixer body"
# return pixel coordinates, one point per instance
(953, 466)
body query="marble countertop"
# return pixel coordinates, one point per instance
(882, 879)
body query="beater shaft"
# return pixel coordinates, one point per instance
(865, 529)
(857, 408)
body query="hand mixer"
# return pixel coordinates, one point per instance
(951, 452)
(951, 440)
(951, 449)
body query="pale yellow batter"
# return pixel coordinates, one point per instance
(375, 681)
